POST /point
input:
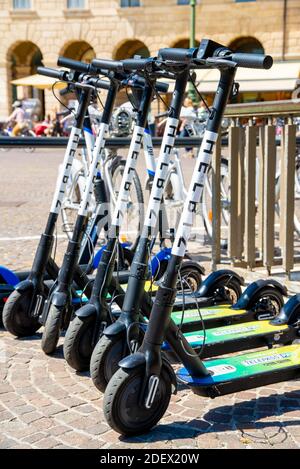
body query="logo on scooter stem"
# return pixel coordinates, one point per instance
(195, 192)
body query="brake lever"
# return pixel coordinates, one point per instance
(220, 62)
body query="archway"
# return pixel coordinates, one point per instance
(78, 50)
(129, 48)
(247, 44)
(23, 59)
(184, 43)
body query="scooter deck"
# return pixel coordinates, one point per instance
(245, 371)
(213, 316)
(238, 337)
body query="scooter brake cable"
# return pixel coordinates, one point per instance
(199, 94)
(156, 93)
(57, 98)
(200, 315)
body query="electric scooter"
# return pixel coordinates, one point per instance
(58, 307)
(138, 394)
(22, 309)
(90, 320)
(125, 335)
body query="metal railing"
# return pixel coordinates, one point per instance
(256, 156)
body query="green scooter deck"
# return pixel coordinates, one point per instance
(245, 371)
(213, 316)
(238, 337)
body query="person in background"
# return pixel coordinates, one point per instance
(17, 118)
(188, 113)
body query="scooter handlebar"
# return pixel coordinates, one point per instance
(51, 72)
(177, 54)
(74, 65)
(141, 81)
(131, 65)
(106, 64)
(104, 85)
(251, 60)
(65, 91)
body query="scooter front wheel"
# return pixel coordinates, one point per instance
(123, 406)
(16, 314)
(105, 360)
(52, 330)
(78, 346)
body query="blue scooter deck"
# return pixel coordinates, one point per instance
(245, 371)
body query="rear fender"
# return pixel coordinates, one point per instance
(244, 302)
(215, 277)
(289, 313)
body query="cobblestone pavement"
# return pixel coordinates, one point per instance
(45, 404)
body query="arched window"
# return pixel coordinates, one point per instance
(247, 44)
(78, 50)
(23, 58)
(130, 48)
(184, 43)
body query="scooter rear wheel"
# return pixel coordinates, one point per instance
(190, 278)
(229, 288)
(52, 330)
(269, 299)
(16, 317)
(105, 358)
(78, 343)
(122, 407)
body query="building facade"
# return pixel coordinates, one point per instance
(37, 31)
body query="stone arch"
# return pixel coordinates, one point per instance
(130, 47)
(78, 50)
(23, 58)
(184, 43)
(247, 44)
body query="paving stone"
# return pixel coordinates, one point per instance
(45, 443)
(7, 443)
(53, 409)
(35, 437)
(31, 417)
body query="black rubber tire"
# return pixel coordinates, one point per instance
(192, 275)
(52, 330)
(104, 360)
(121, 407)
(272, 294)
(232, 286)
(15, 315)
(78, 343)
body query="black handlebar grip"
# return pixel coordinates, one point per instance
(51, 72)
(177, 55)
(73, 64)
(161, 87)
(107, 64)
(99, 83)
(132, 65)
(251, 60)
(65, 91)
